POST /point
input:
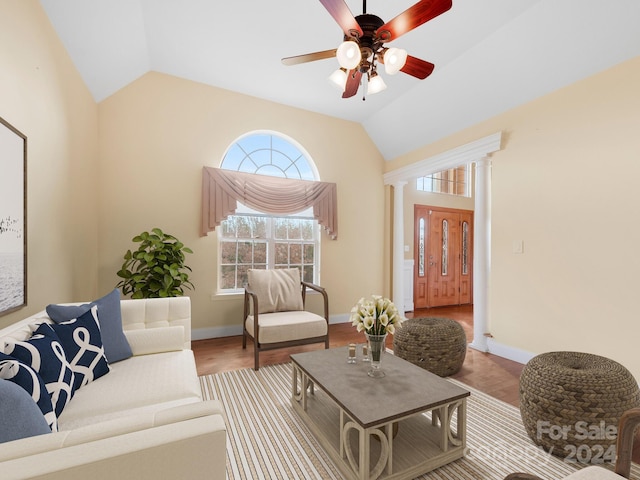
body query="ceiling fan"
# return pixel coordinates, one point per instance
(363, 47)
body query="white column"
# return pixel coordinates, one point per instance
(481, 253)
(398, 245)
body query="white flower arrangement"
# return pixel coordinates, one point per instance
(375, 316)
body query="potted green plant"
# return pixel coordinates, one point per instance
(156, 268)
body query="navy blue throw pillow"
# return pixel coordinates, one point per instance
(82, 343)
(116, 346)
(44, 353)
(15, 371)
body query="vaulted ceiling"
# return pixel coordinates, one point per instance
(490, 55)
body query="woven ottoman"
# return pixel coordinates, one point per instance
(435, 344)
(571, 402)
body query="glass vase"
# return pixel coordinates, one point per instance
(376, 351)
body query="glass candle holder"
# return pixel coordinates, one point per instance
(351, 358)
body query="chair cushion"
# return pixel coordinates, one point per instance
(277, 290)
(287, 326)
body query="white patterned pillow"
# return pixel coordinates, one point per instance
(82, 343)
(43, 352)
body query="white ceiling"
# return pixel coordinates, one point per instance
(490, 55)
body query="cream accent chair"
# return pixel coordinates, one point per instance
(275, 315)
(624, 448)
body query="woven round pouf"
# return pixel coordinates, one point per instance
(571, 402)
(435, 344)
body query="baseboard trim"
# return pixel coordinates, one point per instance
(235, 330)
(509, 352)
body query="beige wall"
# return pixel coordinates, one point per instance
(157, 134)
(43, 96)
(565, 183)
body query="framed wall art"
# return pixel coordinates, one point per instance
(13, 218)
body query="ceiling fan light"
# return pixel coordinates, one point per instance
(376, 84)
(394, 60)
(349, 55)
(339, 79)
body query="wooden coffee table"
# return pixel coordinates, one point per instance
(397, 427)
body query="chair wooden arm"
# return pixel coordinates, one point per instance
(251, 297)
(521, 476)
(626, 432)
(320, 290)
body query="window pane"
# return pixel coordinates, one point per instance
(308, 273)
(308, 253)
(260, 253)
(307, 229)
(244, 227)
(228, 276)
(295, 253)
(282, 254)
(259, 227)
(228, 252)
(245, 252)
(445, 247)
(280, 228)
(243, 278)
(295, 233)
(229, 228)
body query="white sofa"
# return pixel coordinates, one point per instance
(145, 419)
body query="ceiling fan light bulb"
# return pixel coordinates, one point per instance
(349, 55)
(394, 60)
(339, 79)
(376, 84)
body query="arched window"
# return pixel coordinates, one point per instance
(253, 239)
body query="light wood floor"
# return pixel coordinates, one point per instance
(488, 373)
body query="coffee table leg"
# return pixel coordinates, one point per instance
(299, 389)
(361, 467)
(444, 415)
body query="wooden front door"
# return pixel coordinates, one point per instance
(443, 257)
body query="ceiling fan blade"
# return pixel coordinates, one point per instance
(309, 57)
(343, 16)
(353, 83)
(413, 17)
(417, 68)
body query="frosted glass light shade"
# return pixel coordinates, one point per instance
(394, 60)
(339, 79)
(376, 84)
(349, 55)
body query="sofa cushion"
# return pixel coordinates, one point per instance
(82, 343)
(44, 353)
(277, 290)
(20, 416)
(141, 384)
(116, 347)
(13, 370)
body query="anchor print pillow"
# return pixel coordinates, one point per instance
(44, 353)
(82, 343)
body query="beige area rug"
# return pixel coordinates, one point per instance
(267, 440)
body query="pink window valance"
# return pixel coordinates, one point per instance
(223, 189)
